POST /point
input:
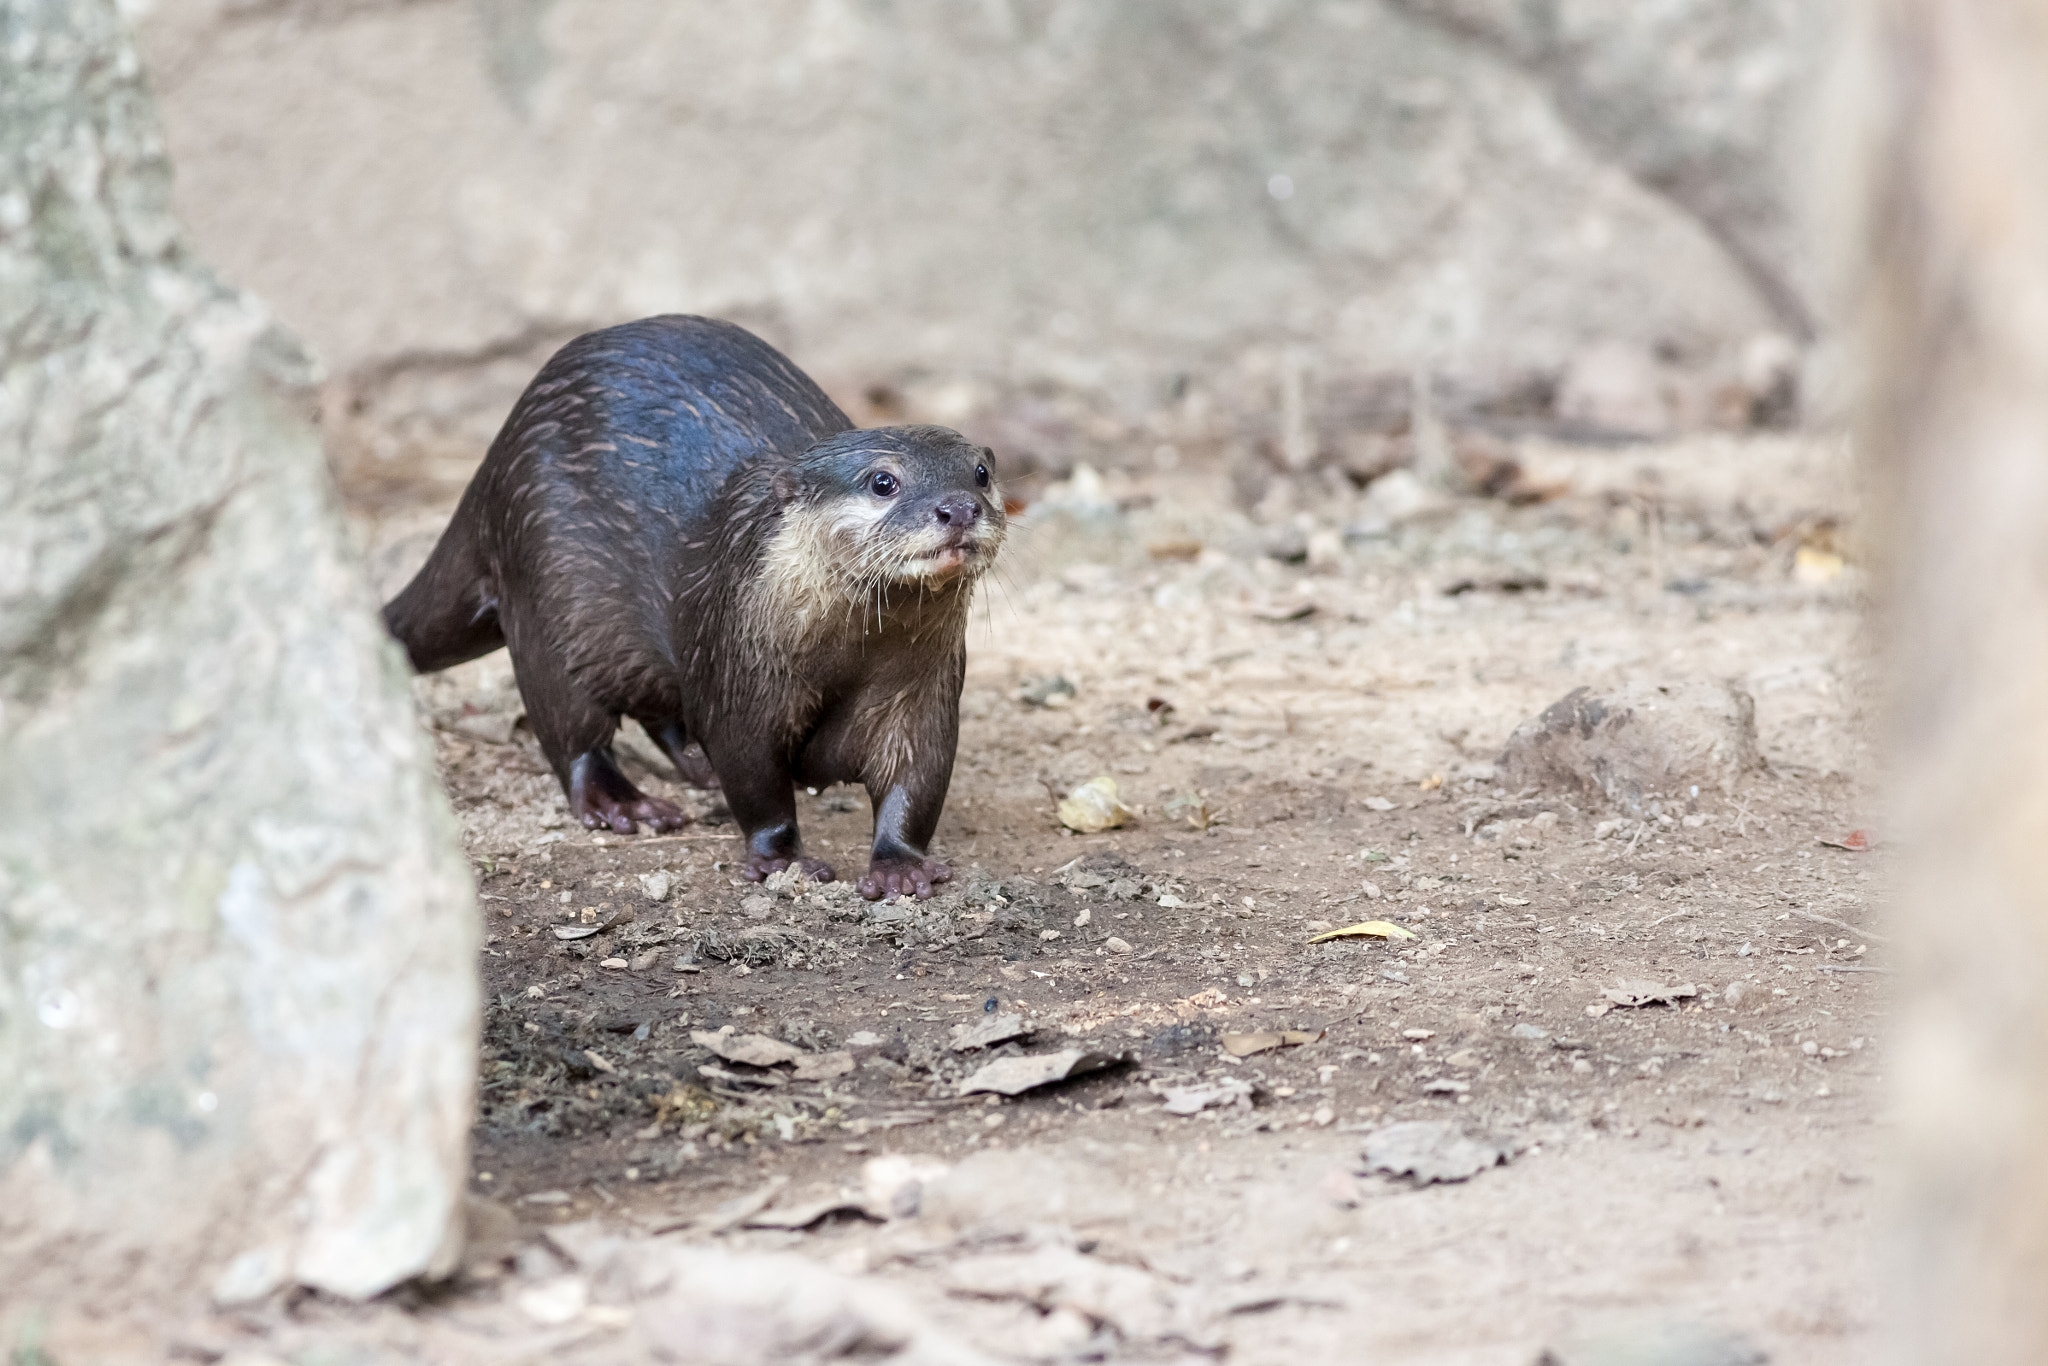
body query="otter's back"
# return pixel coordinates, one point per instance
(684, 401)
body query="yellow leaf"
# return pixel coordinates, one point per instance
(1813, 565)
(1370, 929)
(1244, 1045)
(1093, 807)
(1432, 782)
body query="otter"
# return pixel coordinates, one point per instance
(676, 525)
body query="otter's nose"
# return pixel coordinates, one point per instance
(957, 510)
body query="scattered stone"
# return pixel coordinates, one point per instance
(656, 886)
(1640, 746)
(893, 1185)
(1053, 691)
(555, 1302)
(1191, 1100)
(757, 907)
(1669, 1344)
(1528, 1031)
(1115, 945)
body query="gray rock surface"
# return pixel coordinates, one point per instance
(967, 204)
(1638, 744)
(237, 992)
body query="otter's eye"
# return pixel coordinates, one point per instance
(981, 476)
(883, 484)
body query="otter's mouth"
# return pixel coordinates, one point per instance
(945, 559)
(947, 562)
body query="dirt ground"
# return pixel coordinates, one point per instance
(1304, 707)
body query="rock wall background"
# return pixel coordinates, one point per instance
(1088, 228)
(238, 998)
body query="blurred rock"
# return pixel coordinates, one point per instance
(1639, 745)
(238, 1001)
(1660, 1344)
(1615, 387)
(1130, 202)
(1705, 101)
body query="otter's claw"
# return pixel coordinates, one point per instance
(889, 877)
(760, 866)
(619, 816)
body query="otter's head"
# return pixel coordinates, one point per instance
(910, 506)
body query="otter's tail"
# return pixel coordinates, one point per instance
(448, 614)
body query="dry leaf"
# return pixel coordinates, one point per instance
(1013, 1076)
(1283, 611)
(755, 1050)
(1432, 782)
(809, 1212)
(994, 1030)
(1244, 1045)
(1369, 929)
(1856, 842)
(1428, 1151)
(1093, 807)
(823, 1066)
(1633, 994)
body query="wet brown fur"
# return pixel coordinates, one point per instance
(675, 525)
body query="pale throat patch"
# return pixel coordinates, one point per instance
(830, 565)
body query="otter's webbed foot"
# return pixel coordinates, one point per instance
(605, 799)
(903, 875)
(760, 866)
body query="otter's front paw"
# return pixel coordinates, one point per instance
(760, 866)
(903, 877)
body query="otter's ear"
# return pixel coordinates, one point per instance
(785, 486)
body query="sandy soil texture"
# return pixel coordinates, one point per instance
(1305, 711)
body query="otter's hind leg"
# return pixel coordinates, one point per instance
(693, 766)
(575, 732)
